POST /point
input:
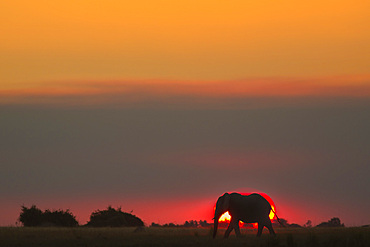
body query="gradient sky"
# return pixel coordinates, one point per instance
(162, 106)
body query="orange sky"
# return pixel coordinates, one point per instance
(48, 41)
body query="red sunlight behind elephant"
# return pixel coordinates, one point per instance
(225, 218)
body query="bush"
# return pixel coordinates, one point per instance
(113, 218)
(60, 218)
(334, 222)
(31, 216)
(35, 217)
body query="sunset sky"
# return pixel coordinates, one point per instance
(162, 106)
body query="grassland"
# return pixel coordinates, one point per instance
(94, 237)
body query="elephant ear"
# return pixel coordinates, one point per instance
(226, 201)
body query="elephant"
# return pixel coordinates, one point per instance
(249, 209)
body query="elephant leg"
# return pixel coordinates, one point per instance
(237, 230)
(228, 230)
(260, 228)
(269, 226)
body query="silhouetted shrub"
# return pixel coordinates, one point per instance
(113, 218)
(35, 217)
(31, 216)
(59, 218)
(334, 222)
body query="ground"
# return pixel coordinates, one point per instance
(95, 237)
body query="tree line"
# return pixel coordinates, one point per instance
(112, 217)
(190, 224)
(109, 217)
(333, 222)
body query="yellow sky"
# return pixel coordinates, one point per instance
(45, 41)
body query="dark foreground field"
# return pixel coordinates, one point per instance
(87, 237)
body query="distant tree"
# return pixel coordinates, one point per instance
(155, 225)
(35, 217)
(170, 225)
(195, 224)
(203, 223)
(192, 223)
(308, 224)
(333, 222)
(113, 218)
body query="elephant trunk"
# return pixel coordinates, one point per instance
(222, 206)
(215, 225)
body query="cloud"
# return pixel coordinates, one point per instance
(248, 93)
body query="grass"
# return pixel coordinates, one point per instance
(95, 237)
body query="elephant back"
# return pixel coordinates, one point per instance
(249, 208)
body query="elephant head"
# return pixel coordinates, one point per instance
(222, 206)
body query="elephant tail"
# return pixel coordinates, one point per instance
(277, 217)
